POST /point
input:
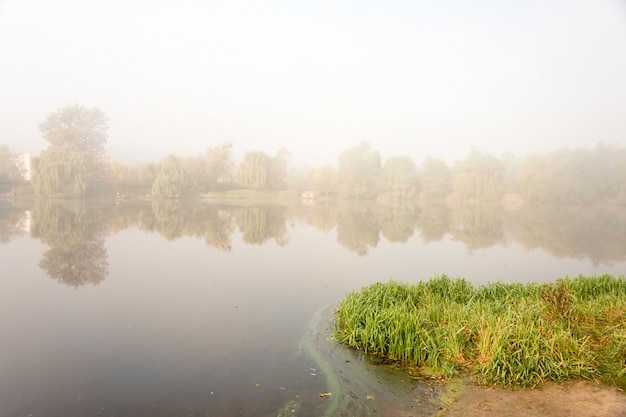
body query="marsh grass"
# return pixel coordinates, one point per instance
(501, 333)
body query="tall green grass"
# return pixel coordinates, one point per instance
(500, 333)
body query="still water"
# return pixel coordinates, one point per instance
(201, 309)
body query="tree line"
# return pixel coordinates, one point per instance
(75, 165)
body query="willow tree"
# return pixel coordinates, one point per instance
(480, 176)
(220, 165)
(359, 171)
(259, 171)
(399, 177)
(75, 159)
(171, 179)
(435, 179)
(9, 172)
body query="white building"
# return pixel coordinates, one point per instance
(23, 165)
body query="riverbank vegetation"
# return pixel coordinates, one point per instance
(509, 334)
(76, 166)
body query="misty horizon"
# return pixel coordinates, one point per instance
(414, 79)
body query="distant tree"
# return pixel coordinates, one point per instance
(75, 159)
(254, 170)
(171, 179)
(533, 178)
(325, 180)
(399, 176)
(119, 175)
(278, 178)
(220, 165)
(435, 178)
(259, 171)
(197, 173)
(579, 176)
(9, 172)
(147, 174)
(480, 176)
(359, 171)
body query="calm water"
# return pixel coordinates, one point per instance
(169, 310)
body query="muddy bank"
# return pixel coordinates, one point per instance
(569, 399)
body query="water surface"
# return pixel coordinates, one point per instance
(159, 309)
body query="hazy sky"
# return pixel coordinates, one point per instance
(413, 78)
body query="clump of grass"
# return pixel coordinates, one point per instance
(503, 334)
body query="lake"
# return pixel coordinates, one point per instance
(171, 309)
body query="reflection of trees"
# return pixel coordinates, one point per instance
(174, 219)
(398, 220)
(478, 225)
(322, 216)
(259, 224)
(211, 223)
(76, 233)
(168, 218)
(575, 232)
(219, 227)
(358, 227)
(76, 236)
(12, 221)
(434, 221)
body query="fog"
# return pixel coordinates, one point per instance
(412, 78)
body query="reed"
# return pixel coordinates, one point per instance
(501, 333)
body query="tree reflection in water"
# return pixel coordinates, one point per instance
(478, 226)
(76, 236)
(358, 226)
(259, 224)
(434, 221)
(12, 222)
(398, 220)
(76, 232)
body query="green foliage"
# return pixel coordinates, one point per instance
(147, 174)
(480, 177)
(508, 334)
(220, 165)
(62, 171)
(9, 172)
(399, 177)
(74, 161)
(80, 128)
(359, 172)
(259, 171)
(325, 179)
(574, 176)
(435, 179)
(255, 170)
(170, 180)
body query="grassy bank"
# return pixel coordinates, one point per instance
(501, 333)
